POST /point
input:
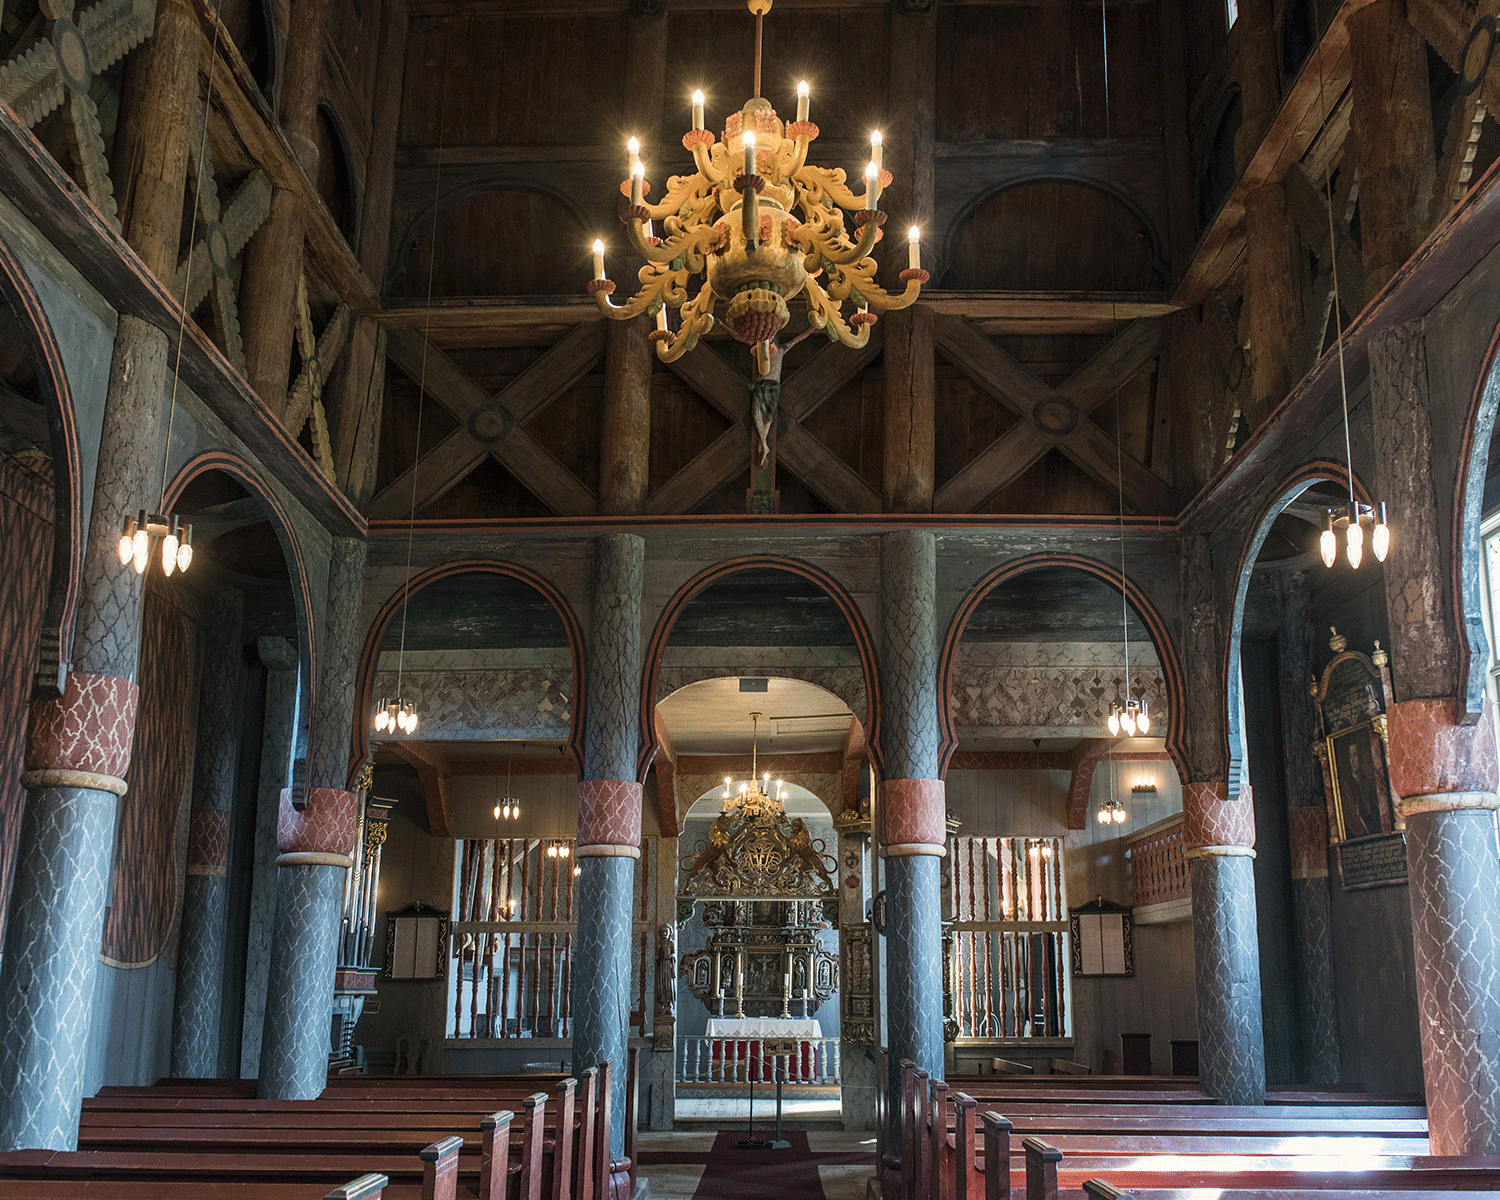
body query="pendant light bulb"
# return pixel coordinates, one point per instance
(140, 547)
(1354, 538)
(1114, 719)
(1127, 722)
(1380, 537)
(126, 548)
(497, 812)
(1119, 816)
(1142, 720)
(1103, 816)
(169, 550)
(515, 810)
(185, 550)
(1328, 545)
(382, 717)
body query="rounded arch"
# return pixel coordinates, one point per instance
(1161, 638)
(408, 266)
(1155, 259)
(1293, 485)
(1468, 512)
(864, 643)
(61, 613)
(291, 548)
(336, 180)
(370, 652)
(1216, 174)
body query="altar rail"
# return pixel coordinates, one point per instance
(738, 1060)
(1158, 866)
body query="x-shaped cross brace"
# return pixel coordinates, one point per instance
(221, 238)
(1465, 39)
(304, 403)
(59, 67)
(1050, 416)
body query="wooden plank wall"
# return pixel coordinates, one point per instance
(26, 534)
(150, 833)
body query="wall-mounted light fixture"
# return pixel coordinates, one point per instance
(1145, 786)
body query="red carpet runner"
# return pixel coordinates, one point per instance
(731, 1174)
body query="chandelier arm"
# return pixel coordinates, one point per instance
(681, 190)
(697, 320)
(819, 182)
(843, 256)
(656, 285)
(823, 313)
(791, 155)
(703, 159)
(875, 296)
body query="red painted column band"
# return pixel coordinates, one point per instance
(87, 729)
(1433, 753)
(1211, 817)
(913, 817)
(326, 827)
(609, 818)
(208, 842)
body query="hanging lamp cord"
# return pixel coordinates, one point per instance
(411, 519)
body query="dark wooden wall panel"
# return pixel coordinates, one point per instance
(514, 81)
(1037, 71)
(851, 423)
(26, 534)
(497, 242)
(683, 425)
(1051, 236)
(147, 887)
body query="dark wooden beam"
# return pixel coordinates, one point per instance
(710, 374)
(824, 472)
(1024, 444)
(711, 469)
(531, 391)
(74, 229)
(438, 472)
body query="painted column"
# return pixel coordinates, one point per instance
(913, 825)
(663, 1067)
(1442, 768)
(278, 733)
(78, 747)
(1307, 832)
(200, 960)
(609, 818)
(1219, 836)
(316, 847)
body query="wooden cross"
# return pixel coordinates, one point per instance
(304, 403)
(57, 69)
(223, 235)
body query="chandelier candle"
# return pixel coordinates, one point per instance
(698, 109)
(802, 101)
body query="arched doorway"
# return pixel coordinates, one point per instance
(1327, 932)
(1054, 813)
(757, 891)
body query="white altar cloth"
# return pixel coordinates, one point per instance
(763, 1027)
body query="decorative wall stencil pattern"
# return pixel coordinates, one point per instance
(835, 669)
(1050, 685)
(146, 887)
(486, 693)
(26, 533)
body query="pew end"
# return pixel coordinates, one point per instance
(1100, 1189)
(366, 1187)
(997, 1131)
(495, 1149)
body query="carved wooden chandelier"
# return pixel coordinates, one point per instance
(762, 227)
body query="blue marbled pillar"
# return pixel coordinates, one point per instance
(600, 1002)
(1231, 1048)
(296, 1036)
(299, 995)
(909, 738)
(67, 832)
(1454, 878)
(200, 959)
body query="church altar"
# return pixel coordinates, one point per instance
(738, 1039)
